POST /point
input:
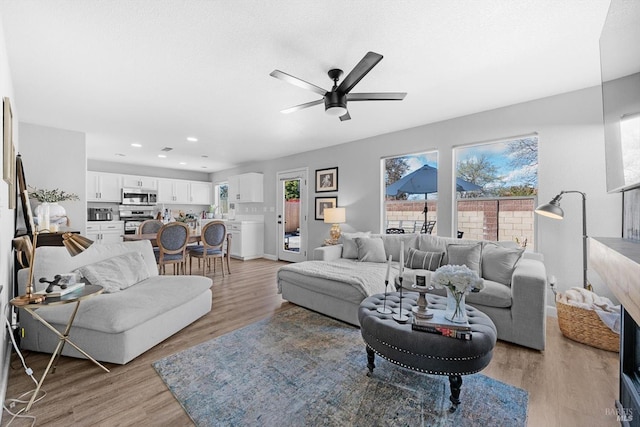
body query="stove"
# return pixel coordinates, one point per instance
(134, 216)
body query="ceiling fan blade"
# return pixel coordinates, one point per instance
(359, 71)
(297, 82)
(302, 106)
(378, 96)
(345, 116)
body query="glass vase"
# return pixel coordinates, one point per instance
(456, 310)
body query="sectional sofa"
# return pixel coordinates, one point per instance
(138, 309)
(341, 276)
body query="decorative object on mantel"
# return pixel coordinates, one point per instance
(458, 281)
(335, 216)
(553, 210)
(49, 213)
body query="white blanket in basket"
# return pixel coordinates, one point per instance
(604, 308)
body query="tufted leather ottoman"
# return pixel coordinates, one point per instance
(423, 351)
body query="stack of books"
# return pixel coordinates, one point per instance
(441, 326)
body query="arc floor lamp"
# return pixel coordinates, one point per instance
(553, 210)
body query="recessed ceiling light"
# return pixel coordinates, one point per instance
(192, 139)
(183, 163)
(204, 156)
(120, 155)
(135, 144)
(162, 156)
(203, 167)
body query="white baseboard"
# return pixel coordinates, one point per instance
(270, 257)
(552, 311)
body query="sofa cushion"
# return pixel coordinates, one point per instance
(494, 294)
(349, 248)
(116, 273)
(499, 262)
(423, 260)
(462, 254)
(392, 244)
(370, 249)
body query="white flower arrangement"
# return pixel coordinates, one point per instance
(458, 278)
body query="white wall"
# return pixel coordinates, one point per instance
(571, 157)
(57, 158)
(7, 227)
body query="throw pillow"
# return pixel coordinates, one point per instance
(117, 273)
(468, 255)
(499, 262)
(423, 260)
(370, 249)
(349, 248)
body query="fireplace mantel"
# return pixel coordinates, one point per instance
(617, 261)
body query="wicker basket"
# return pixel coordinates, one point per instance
(585, 326)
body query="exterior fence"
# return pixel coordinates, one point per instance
(291, 215)
(501, 219)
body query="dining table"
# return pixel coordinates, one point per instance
(194, 237)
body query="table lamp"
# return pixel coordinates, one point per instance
(335, 216)
(74, 243)
(553, 210)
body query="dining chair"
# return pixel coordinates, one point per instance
(427, 227)
(150, 226)
(213, 238)
(172, 242)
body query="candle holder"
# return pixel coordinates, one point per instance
(401, 316)
(384, 309)
(420, 311)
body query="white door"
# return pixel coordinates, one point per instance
(292, 215)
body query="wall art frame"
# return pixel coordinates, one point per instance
(323, 203)
(327, 180)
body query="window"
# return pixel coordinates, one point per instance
(407, 202)
(220, 197)
(507, 172)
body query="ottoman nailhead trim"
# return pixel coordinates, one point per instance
(428, 356)
(424, 371)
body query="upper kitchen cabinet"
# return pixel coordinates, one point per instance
(200, 192)
(246, 188)
(103, 187)
(177, 191)
(147, 182)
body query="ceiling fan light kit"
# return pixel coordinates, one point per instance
(335, 100)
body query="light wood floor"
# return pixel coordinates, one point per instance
(569, 384)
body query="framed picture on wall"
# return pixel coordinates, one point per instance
(323, 203)
(7, 141)
(326, 180)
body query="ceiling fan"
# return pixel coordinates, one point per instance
(335, 100)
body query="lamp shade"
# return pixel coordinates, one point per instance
(551, 209)
(75, 243)
(335, 215)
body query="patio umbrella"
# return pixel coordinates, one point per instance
(425, 181)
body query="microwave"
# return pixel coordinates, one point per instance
(139, 196)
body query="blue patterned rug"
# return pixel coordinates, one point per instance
(300, 368)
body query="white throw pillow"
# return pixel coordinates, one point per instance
(370, 249)
(117, 273)
(349, 248)
(468, 255)
(499, 262)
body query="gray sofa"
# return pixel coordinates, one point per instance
(341, 276)
(115, 327)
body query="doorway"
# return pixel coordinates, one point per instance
(292, 215)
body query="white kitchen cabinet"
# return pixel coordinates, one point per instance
(103, 187)
(200, 193)
(102, 232)
(247, 239)
(146, 182)
(174, 191)
(246, 188)
(179, 191)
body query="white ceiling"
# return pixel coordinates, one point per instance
(155, 72)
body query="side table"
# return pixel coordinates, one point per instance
(76, 297)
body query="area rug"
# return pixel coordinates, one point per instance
(299, 368)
